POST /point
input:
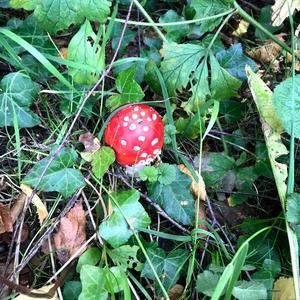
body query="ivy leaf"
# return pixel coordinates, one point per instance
(82, 50)
(18, 92)
(129, 89)
(55, 15)
(72, 290)
(93, 283)
(90, 257)
(128, 37)
(234, 61)
(115, 229)
(26, 4)
(282, 99)
(167, 173)
(208, 8)
(168, 267)
(207, 282)
(149, 173)
(101, 160)
(180, 60)
(248, 290)
(59, 177)
(223, 85)
(174, 33)
(175, 198)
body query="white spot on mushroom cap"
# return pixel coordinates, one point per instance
(125, 124)
(134, 116)
(141, 138)
(132, 126)
(149, 119)
(142, 113)
(126, 118)
(154, 117)
(145, 128)
(136, 148)
(155, 141)
(156, 151)
(144, 155)
(136, 109)
(123, 142)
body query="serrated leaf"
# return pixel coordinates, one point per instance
(248, 290)
(282, 100)
(18, 94)
(149, 173)
(223, 85)
(101, 160)
(234, 61)
(26, 4)
(115, 229)
(59, 177)
(55, 15)
(90, 257)
(168, 267)
(207, 8)
(175, 198)
(180, 60)
(167, 173)
(82, 50)
(207, 282)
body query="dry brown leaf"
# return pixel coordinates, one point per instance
(71, 234)
(40, 206)
(6, 221)
(42, 290)
(284, 289)
(281, 10)
(91, 145)
(297, 62)
(242, 28)
(268, 53)
(63, 52)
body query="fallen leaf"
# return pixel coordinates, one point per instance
(63, 52)
(281, 10)
(43, 290)
(242, 28)
(284, 289)
(297, 62)
(268, 53)
(176, 291)
(71, 234)
(91, 145)
(40, 206)
(6, 222)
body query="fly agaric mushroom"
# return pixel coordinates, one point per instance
(136, 133)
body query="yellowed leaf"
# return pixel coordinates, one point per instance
(40, 206)
(284, 289)
(242, 28)
(43, 290)
(281, 10)
(91, 145)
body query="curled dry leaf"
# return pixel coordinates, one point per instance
(281, 10)
(43, 290)
(268, 53)
(198, 190)
(91, 145)
(297, 62)
(40, 206)
(71, 234)
(242, 28)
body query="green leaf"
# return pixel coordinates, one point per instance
(167, 173)
(82, 50)
(293, 208)
(232, 110)
(18, 92)
(26, 4)
(128, 37)
(223, 85)
(101, 160)
(170, 131)
(115, 229)
(180, 60)
(125, 256)
(207, 8)
(72, 290)
(129, 89)
(90, 257)
(234, 61)
(248, 290)
(93, 283)
(175, 198)
(55, 15)
(207, 282)
(59, 177)
(168, 267)
(282, 100)
(174, 33)
(149, 173)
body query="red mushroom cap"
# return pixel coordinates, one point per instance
(136, 133)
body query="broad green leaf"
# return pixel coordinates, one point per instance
(167, 173)
(115, 229)
(82, 49)
(207, 282)
(234, 61)
(55, 15)
(174, 33)
(180, 60)
(4, 4)
(72, 290)
(223, 85)
(282, 100)
(101, 160)
(249, 290)
(293, 213)
(207, 8)
(59, 177)
(129, 89)
(128, 37)
(17, 93)
(149, 173)
(125, 256)
(170, 131)
(232, 110)
(175, 198)
(90, 257)
(93, 283)
(168, 267)
(26, 4)
(113, 279)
